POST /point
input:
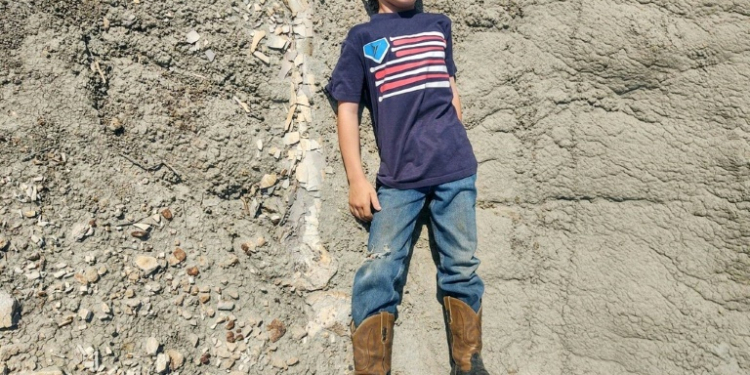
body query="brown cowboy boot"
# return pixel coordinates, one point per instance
(373, 343)
(464, 338)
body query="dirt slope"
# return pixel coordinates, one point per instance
(614, 193)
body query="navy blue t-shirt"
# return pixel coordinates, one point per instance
(399, 65)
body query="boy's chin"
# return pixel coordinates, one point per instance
(402, 4)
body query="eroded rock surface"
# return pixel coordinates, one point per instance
(614, 154)
(172, 196)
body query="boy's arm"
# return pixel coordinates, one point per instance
(456, 99)
(361, 193)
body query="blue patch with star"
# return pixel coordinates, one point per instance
(376, 50)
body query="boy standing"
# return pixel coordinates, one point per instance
(400, 64)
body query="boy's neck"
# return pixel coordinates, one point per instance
(385, 7)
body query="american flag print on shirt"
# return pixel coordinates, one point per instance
(415, 62)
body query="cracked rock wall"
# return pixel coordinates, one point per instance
(614, 186)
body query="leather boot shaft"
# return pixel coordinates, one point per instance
(465, 337)
(373, 345)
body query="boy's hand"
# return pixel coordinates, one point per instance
(362, 197)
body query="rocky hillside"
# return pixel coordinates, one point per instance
(172, 199)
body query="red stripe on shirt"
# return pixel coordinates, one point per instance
(408, 81)
(401, 42)
(402, 67)
(413, 51)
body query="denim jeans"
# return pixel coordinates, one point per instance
(378, 282)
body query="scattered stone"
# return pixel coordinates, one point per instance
(152, 346)
(85, 315)
(276, 330)
(286, 66)
(162, 361)
(225, 306)
(262, 57)
(296, 6)
(258, 35)
(277, 362)
(231, 293)
(33, 275)
(91, 274)
(210, 55)
(54, 370)
(65, 320)
(4, 243)
(192, 37)
(143, 226)
(231, 260)
(193, 271)
(81, 231)
(140, 234)
(292, 361)
(39, 241)
(275, 152)
(193, 339)
(115, 125)
(277, 42)
(204, 297)
(298, 333)
(291, 138)
(300, 30)
(268, 180)
(227, 364)
(179, 254)
(205, 358)
(331, 311)
(167, 213)
(30, 214)
(9, 311)
(147, 264)
(106, 309)
(176, 359)
(248, 247)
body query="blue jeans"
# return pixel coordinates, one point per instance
(380, 279)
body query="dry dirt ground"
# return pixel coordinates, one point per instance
(172, 198)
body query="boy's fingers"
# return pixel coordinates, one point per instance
(366, 214)
(375, 201)
(357, 212)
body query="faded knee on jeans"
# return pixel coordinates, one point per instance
(376, 256)
(378, 253)
(375, 263)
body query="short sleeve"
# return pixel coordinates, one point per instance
(348, 77)
(449, 49)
